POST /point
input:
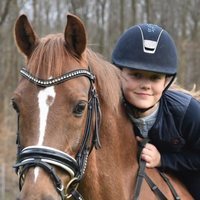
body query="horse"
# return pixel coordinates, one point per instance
(69, 102)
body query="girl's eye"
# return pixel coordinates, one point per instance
(136, 75)
(156, 77)
(79, 108)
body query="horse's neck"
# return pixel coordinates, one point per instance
(119, 139)
(112, 169)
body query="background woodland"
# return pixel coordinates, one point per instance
(105, 21)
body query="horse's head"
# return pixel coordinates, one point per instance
(58, 111)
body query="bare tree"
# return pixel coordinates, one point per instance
(5, 10)
(134, 11)
(121, 7)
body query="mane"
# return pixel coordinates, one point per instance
(108, 79)
(52, 58)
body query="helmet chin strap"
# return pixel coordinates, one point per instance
(170, 82)
(134, 110)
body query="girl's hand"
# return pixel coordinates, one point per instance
(150, 154)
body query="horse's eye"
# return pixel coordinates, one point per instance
(79, 108)
(14, 105)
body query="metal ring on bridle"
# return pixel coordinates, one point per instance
(68, 195)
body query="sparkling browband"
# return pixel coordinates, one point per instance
(57, 80)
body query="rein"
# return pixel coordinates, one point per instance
(48, 158)
(142, 175)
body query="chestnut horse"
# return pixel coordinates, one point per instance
(61, 118)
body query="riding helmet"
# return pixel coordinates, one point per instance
(146, 47)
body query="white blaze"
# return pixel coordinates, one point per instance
(44, 105)
(46, 98)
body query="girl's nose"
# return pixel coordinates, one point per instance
(145, 83)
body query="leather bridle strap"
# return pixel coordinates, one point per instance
(48, 168)
(141, 169)
(141, 175)
(76, 195)
(139, 180)
(173, 191)
(155, 188)
(57, 80)
(47, 157)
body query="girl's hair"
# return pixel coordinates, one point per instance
(193, 92)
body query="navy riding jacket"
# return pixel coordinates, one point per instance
(176, 132)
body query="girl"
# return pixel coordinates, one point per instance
(146, 55)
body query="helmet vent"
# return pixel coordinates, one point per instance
(150, 46)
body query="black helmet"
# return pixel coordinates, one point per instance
(146, 47)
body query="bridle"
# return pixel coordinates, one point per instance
(48, 158)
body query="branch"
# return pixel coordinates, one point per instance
(5, 12)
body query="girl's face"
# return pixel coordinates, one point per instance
(143, 89)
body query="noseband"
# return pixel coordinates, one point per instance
(48, 158)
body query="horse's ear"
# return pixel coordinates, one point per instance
(75, 35)
(25, 37)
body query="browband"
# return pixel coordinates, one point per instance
(57, 80)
